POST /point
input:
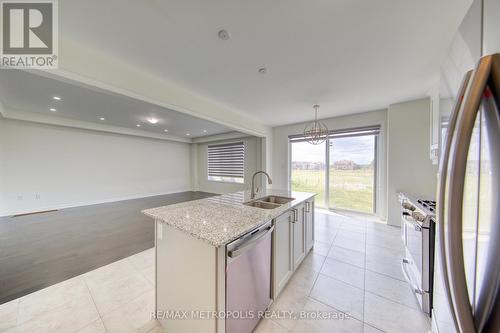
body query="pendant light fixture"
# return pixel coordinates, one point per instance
(315, 133)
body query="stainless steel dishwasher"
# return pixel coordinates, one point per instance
(248, 279)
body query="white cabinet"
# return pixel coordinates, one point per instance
(282, 250)
(293, 238)
(309, 222)
(299, 239)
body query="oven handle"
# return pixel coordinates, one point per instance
(415, 288)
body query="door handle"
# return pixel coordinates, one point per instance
(441, 202)
(487, 70)
(487, 311)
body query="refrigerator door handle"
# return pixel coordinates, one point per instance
(455, 184)
(442, 185)
(488, 298)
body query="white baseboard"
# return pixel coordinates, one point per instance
(85, 203)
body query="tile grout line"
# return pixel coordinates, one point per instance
(319, 271)
(335, 278)
(17, 312)
(334, 308)
(365, 271)
(60, 306)
(141, 272)
(364, 298)
(364, 289)
(391, 300)
(116, 308)
(386, 275)
(383, 297)
(277, 323)
(95, 305)
(344, 282)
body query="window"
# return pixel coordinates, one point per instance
(226, 162)
(352, 168)
(307, 169)
(342, 170)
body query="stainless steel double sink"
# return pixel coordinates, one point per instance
(269, 202)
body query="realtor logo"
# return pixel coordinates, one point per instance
(29, 37)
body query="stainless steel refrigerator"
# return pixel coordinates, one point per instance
(467, 264)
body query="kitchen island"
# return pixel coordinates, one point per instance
(198, 248)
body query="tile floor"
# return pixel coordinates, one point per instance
(118, 297)
(353, 268)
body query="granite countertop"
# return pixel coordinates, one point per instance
(221, 219)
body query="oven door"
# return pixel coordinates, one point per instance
(411, 264)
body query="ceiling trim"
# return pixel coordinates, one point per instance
(220, 137)
(73, 123)
(94, 68)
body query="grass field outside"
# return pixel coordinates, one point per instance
(349, 189)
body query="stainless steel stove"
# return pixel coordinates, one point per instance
(418, 234)
(428, 205)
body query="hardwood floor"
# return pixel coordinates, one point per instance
(37, 251)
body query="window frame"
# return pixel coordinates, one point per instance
(374, 130)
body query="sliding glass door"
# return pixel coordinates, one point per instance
(352, 173)
(307, 169)
(342, 170)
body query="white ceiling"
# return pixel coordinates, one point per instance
(23, 91)
(347, 55)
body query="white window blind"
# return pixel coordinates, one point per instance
(226, 162)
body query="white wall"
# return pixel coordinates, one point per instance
(280, 153)
(72, 167)
(409, 166)
(253, 162)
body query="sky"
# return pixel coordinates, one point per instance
(358, 149)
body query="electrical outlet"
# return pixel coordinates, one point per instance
(19, 198)
(37, 196)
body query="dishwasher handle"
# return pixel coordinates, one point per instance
(250, 243)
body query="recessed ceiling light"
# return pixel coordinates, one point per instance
(102, 118)
(138, 125)
(224, 34)
(263, 70)
(204, 131)
(57, 98)
(188, 134)
(165, 130)
(53, 109)
(153, 120)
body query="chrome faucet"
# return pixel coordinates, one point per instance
(269, 181)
